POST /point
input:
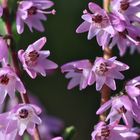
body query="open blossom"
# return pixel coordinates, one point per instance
(125, 8)
(79, 73)
(113, 131)
(22, 117)
(35, 60)
(106, 70)
(132, 88)
(9, 83)
(97, 23)
(103, 71)
(121, 107)
(31, 12)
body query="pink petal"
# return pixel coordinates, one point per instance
(104, 107)
(39, 43)
(84, 27)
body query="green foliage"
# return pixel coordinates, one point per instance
(2, 27)
(26, 137)
(69, 133)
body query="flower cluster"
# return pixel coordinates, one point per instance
(119, 26)
(102, 71)
(124, 107)
(23, 117)
(32, 12)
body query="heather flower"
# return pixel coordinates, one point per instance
(124, 39)
(125, 8)
(112, 131)
(106, 70)
(35, 60)
(22, 117)
(3, 50)
(132, 88)
(79, 72)
(31, 12)
(9, 83)
(121, 107)
(51, 125)
(97, 23)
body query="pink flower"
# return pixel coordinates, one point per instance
(80, 73)
(22, 117)
(125, 8)
(121, 107)
(97, 23)
(106, 70)
(133, 89)
(9, 83)
(32, 12)
(113, 131)
(35, 60)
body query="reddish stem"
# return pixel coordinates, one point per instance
(105, 91)
(10, 41)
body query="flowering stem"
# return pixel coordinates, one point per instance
(105, 91)
(10, 42)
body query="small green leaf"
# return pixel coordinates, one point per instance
(26, 137)
(69, 133)
(2, 27)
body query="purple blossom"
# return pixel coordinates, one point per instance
(20, 118)
(121, 107)
(9, 83)
(31, 12)
(79, 72)
(132, 88)
(106, 70)
(125, 8)
(112, 131)
(97, 23)
(35, 60)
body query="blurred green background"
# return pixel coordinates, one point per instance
(74, 107)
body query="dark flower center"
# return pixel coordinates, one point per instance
(122, 110)
(23, 113)
(4, 79)
(32, 11)
(124, 5)
(105, 132)
(31, 58)
(138, 38)
(123, 34)
(101, 69)
(97, 19)
(33, 55)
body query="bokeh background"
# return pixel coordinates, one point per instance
(74, 107)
